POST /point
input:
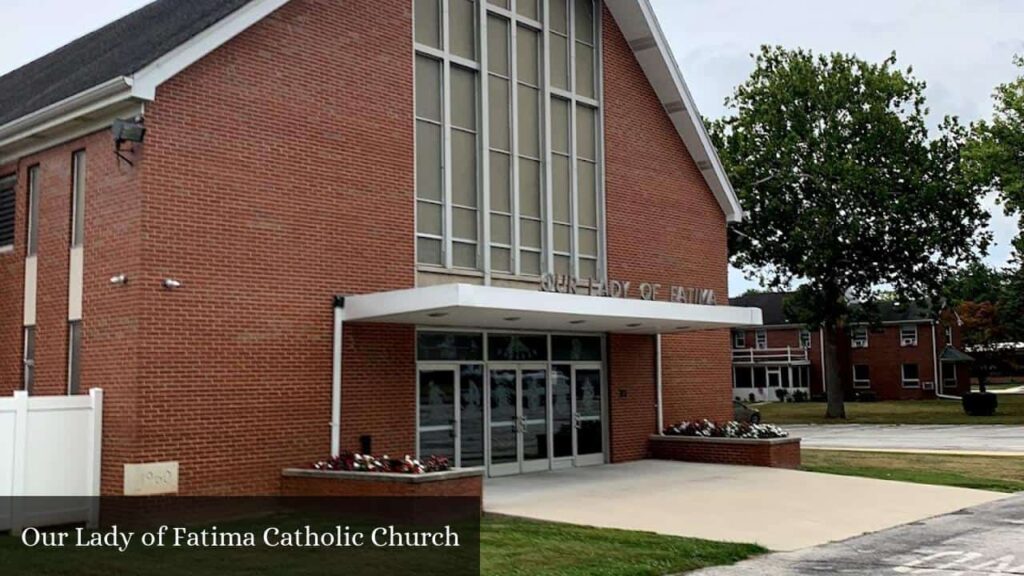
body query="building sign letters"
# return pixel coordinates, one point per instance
(564, 284)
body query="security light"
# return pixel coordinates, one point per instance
(119, 280)
(171, 284)
(133, 131)
(129, 131)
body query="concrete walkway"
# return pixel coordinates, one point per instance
(779, 509)
(980, 439)
(982, 541)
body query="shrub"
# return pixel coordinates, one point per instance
(799, 396)
(709, 429)
(867, 397)
(751, 397)
(781, 394)
(355, 462)
(980, 404)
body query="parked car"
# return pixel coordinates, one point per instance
(743, 413)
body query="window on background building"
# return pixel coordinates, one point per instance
(493, 189)
(861, 376)
(761, 339)
(74, 357)
(859, 337)
(32, 227)
(911, 377)
(7, 213)
(805, 338)
(739, 339)
(949, 335)
(77, 198)
(908, 335)
(744, 377)
(29, 359)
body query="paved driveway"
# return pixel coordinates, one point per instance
(779, 509)
(962, 438)
(982, 541)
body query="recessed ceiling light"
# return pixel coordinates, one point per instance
(633, 325)
(513, 319)
(437, 314)
(578, 322)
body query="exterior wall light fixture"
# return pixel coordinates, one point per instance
(133, 131)
(119, 280)
(171, 284)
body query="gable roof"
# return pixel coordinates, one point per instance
(126, 60)
(770, 303)
(120, 48)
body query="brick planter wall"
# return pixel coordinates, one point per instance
(775, 453)
(454, 483)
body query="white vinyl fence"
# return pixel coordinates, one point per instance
(50, 446)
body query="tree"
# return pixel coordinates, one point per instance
(843, 189)
(996, 153)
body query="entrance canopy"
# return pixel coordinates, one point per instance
(470, 306)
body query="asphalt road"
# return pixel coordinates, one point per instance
(962, 438)
(987, 540)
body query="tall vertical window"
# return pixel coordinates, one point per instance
(911, 376)
(7, 213)
(77, 198)
(29, 359)
(32, 229)
(949, 335)
(508, 148)
(74, 356)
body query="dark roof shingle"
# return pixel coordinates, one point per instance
(120, 48)
(773, 311)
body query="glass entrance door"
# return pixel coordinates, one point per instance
(451, 413)
(518, 402)
(577, 415)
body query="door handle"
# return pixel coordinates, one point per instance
(522, 424)
(577, 421)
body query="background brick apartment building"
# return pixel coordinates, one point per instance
(193, 277)
(903, 356)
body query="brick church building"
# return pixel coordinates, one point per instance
(270, 230)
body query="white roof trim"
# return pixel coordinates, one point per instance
(471, 306)
(167, 66)
(47, 125)
(640, 27)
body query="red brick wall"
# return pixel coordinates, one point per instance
(886, 356)
(12, 290)
(719, 451)
(279, 173)
(467, 487)
(664, 225)
(632, 403)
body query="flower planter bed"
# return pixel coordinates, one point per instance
(450, 483)
(771, 453)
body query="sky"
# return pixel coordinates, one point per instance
(962, 48)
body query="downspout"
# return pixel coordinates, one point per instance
(658, 383)
(935, 360)
(339, 320)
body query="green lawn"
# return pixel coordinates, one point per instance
(996, 473)
(508, 547)
(1011, 411)
(512, 547)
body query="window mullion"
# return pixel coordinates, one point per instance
(574, 263)
(446, 136)
(602, 261)
(514, 133)
(547, 238)
(484, 143)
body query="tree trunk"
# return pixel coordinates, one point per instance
(833, 384)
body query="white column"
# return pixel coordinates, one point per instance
(339, 320)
